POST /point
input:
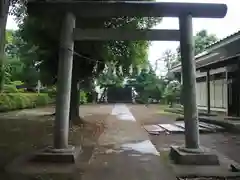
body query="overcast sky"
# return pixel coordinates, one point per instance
(220, 27)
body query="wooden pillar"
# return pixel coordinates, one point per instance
(64, 83)
(189, 82)
(238, 89)
(208, 92)
(227, 91)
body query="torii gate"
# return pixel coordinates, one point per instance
(94, 9)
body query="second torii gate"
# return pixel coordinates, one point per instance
(94, 9)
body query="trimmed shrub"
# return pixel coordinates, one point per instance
(10, 88)
(83, 97)
(19, 85)
(52, 92)
(14, 101)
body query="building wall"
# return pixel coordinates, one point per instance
(218, 93)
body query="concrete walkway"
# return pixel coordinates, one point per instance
(125, 152)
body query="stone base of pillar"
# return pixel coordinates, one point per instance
(51, 155)
(201, 156)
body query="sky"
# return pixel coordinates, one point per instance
(221, 27)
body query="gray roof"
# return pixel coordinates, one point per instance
(222, 49)
(224, 39)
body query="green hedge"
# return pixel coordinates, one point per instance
(83, 97)
(14, 101)
(9, 88)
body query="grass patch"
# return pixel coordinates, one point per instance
(163, 110)
(174, 111)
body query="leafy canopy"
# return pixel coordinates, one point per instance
(41, 34)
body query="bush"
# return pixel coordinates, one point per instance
(52, 92)
(83, 97)
(14, 101)
(17, 83)
(13, 87)
(10, 88)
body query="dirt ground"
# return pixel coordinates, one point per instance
(24, 131)
(226, 143)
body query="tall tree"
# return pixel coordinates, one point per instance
(172, 91)
(147, 85)
(169, 58)
(90, 56)
(202, 40)
(4, 8)
(19, 61)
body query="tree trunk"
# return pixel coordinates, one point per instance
(94, 97)
(74, 116)
(4, 7)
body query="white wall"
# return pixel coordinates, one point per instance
(201, 94)
(218, 94)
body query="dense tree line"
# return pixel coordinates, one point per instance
(35, 50)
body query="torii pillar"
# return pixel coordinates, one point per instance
(61, 151)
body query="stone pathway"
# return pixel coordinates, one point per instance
(126, 152)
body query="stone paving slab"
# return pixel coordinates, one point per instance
(210, 126)
(179, 127)
(203, 129)
(153, 128)
(171, 127)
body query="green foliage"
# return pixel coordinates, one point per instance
(10, 88)
(172, 92)
(52, 92)
(14, 101)
(173, 88)
(202, 40)
(170, 59)
(109, 77)
(147, 85)
(42, 99)
(83, 97)
(17, 83)
(19, 63)
(40, 37)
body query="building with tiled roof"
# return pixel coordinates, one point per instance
(218, 76)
